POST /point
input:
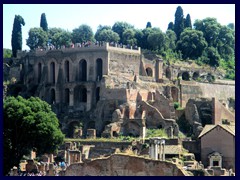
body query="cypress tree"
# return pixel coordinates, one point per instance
(179, 22)
(17, 34)
(149, 25)
(170, 26)
(43, 22)
(188, 23)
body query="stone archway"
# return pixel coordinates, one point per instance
(168, 73)
(39, 72)
(66, 71)
(185, 76)
(195, 76)
(149, 72)
(67, 96)
(52, 72)
(83, 70)
(52, 96)
(99, 69)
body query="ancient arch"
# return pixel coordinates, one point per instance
(195, 75)
(71, 127)
(99, 69)
(175, 93)
(80, 94)
(83, 70)
(52, 96)
(39, 72)
(52, 72)
(185, 76)
(149, 71)
(168, 73)
(66, 71)
(66, 96)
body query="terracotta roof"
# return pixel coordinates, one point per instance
(207, 128)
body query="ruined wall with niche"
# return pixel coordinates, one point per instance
(220, 112)
(123, 165)
(190, 89)
(124, 63)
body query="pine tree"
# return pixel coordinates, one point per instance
(188, 23)
(17, 34)
(179, 22)
(43, 22)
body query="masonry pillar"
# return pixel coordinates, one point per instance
(89, 99)
(69, 157)
(71, 97)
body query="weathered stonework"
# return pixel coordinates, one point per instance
(123, 165)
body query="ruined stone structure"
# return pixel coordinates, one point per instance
(123, 165)
(114, 90)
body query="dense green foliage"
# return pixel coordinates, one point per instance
(17, 34)
(7, 53)
(156, 133)
(29, 124)
(82, 34)
(37, 37)
(43, 22)
(206, 41)
(105, 33)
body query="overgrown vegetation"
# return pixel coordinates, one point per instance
(156, 133)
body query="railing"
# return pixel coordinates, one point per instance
(84, 47)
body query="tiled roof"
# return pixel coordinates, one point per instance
(207, 128)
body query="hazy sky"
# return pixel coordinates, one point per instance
(72, 16)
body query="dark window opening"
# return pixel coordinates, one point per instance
(99, 69)
(52, 72)
(83, 70)
(97, 94)
(39, 72)
(53, 98)
(66, 96)
(67, 71)
(149, 72)
(185, 76)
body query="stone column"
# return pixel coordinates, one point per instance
(69, 157)
(89, 99)
(156, 151)
(71, 97)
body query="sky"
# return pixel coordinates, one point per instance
(71, 16)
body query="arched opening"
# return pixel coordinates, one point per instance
(52, 96)
(174, 93)
(80, 95)
(99, 69)
(195, 75)
(66, 70)
(52, 72)
(149, 72)
(83, 70)
(185, 76)
(71, 128)
(39, 72)
(168, 73)
(66, 94)
(97, 94)
(91, 125)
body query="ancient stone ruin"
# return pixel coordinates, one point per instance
(119, 91)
